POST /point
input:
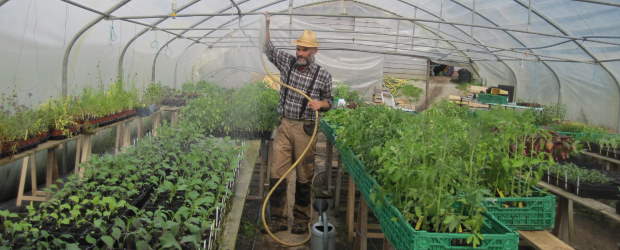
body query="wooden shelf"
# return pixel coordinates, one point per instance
(595, 205)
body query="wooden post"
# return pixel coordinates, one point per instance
(174, 117)
(140, 131)
(51, 165)
(362, 233)
(125, 136)
(571, 222)
(338, 186)
(350, 208)
(86, 151)
(33, 173)
(78, 154)
(328, 165)
(22, 180)
(561, 228)
(119, 133)
(156, 122)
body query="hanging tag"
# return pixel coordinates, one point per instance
(173, 14)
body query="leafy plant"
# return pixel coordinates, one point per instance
(573, 173)
(344, 91)
(411, 92)
(439, 165)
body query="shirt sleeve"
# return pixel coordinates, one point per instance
(326, 90)
(280, 58)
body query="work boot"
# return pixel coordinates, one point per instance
(300, 227)
(277, 210)
(302, 208)
(276, 224)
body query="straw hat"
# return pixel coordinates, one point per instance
(307, 39)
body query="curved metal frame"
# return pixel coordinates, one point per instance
(65, 60)
(198, 23)
(312, 4)
(133, 39)
(586, 50)
(555, 75)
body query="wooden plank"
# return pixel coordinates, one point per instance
(375, 235)
(42, 146)
(595, 205)
(22, 181)
(350, 208)
(598, 156)
(544, 240)
(51, 144)
(233, 218)
(170, 108)
(34, 198)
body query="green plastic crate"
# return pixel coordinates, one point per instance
(489, 98)
(401, 234)
(538, 212)
(329, 131)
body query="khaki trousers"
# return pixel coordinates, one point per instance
(288, 145)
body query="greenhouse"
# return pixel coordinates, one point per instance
(308, 124)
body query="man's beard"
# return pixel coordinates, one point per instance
(304, 61)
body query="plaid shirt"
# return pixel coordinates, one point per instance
(290, 101)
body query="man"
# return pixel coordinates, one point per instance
(296, 124)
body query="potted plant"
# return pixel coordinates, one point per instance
(61, 118)
(22, 130)
(583, 182)
(151, 99)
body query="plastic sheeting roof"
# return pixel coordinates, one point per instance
(552, 51)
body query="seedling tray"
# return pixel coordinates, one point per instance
(587, 190)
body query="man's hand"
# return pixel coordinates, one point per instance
(316, 104)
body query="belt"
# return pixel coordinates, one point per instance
(295, 120)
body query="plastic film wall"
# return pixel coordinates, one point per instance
(552, 51)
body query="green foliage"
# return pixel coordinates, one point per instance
(248, 109)
(98, 102)
(17, 122)
(344, 91)
(438, 166)
(413, 93)
(573, 172)
(153, 94)
(550, 114)
(162, 193)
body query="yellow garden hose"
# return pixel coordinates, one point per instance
(289, 170)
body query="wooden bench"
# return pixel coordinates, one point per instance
(543, 240)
